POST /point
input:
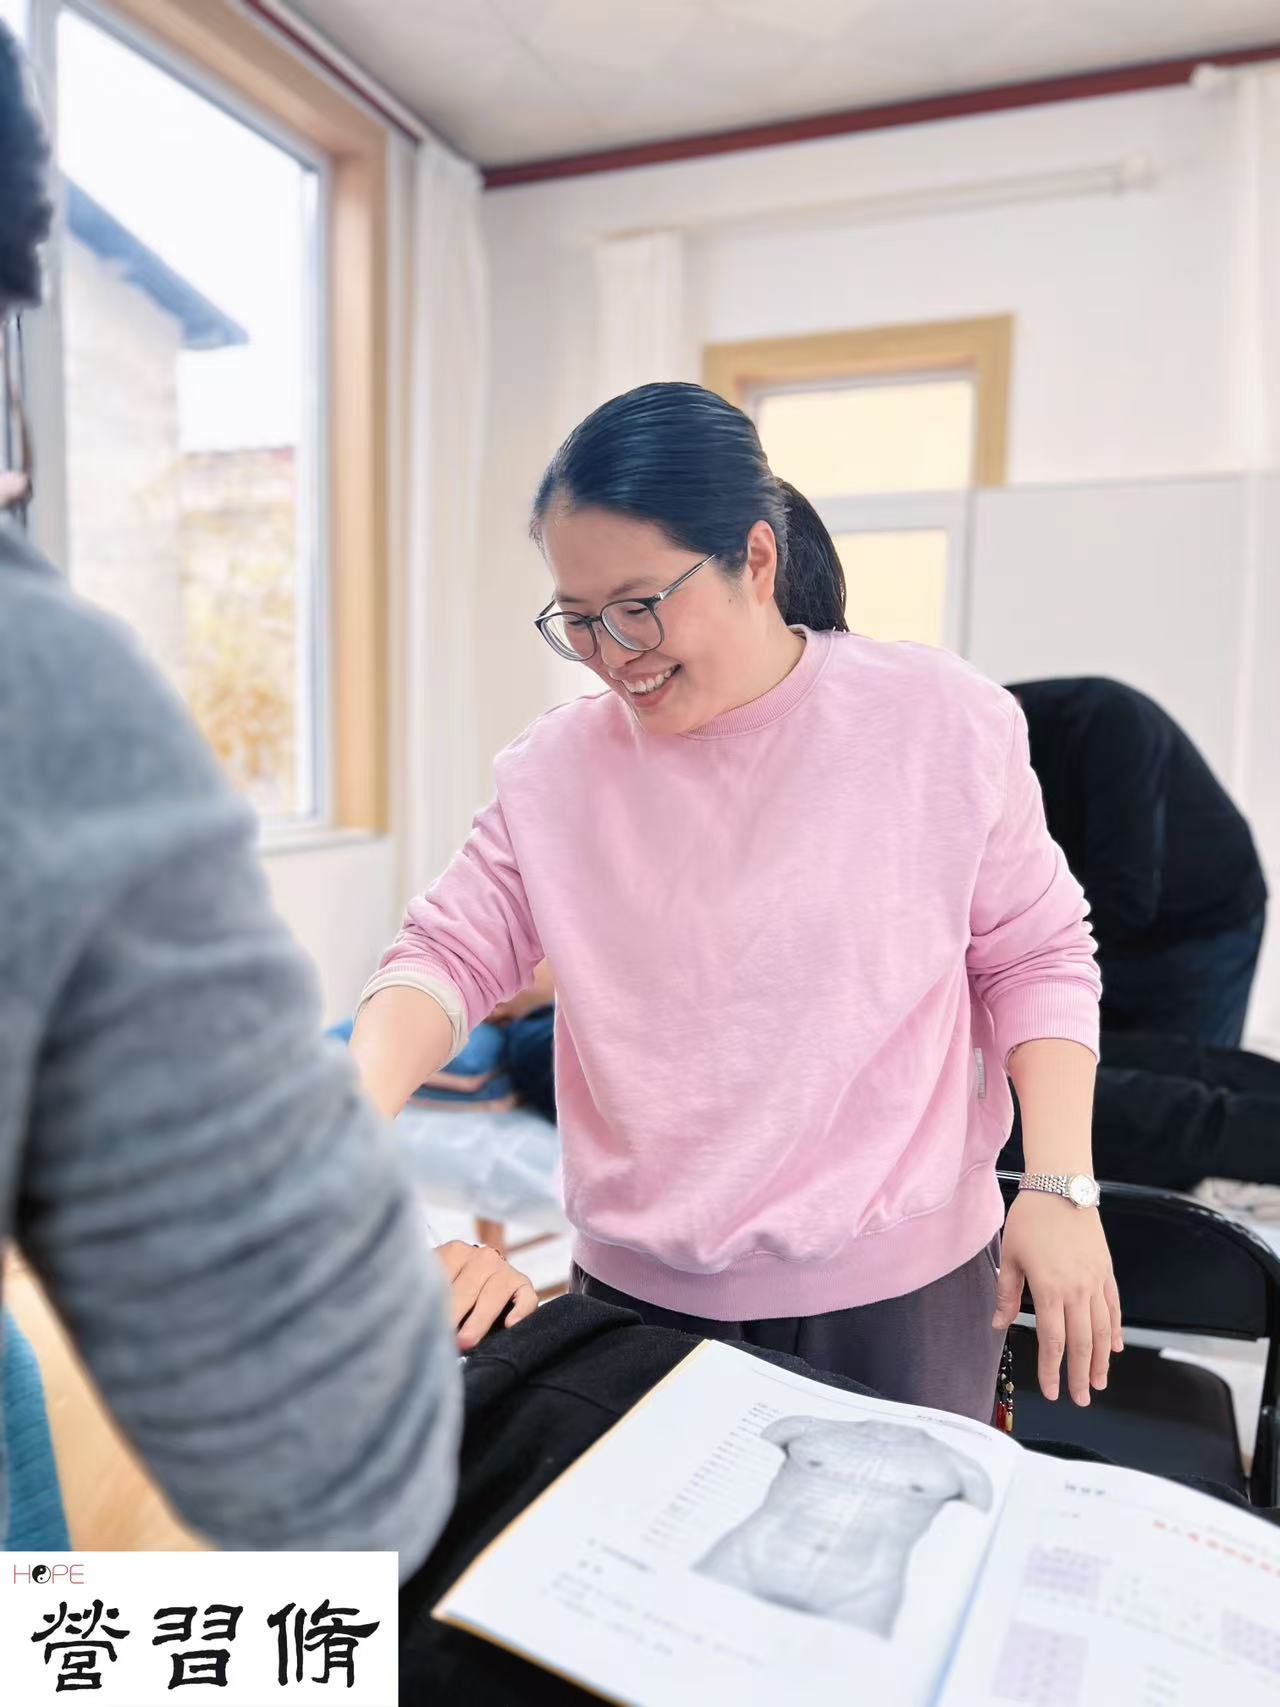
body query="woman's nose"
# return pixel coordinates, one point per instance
(613, 654)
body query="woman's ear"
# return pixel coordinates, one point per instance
(762, 562)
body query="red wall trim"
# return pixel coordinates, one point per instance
(1080, 86)
(308, 50)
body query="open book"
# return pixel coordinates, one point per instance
(750, 1535)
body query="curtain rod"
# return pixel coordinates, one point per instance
(315, 46)
(928, 109)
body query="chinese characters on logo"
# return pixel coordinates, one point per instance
(81, 1652)
(86, 1642)
(328, 1633)
(198, 1665)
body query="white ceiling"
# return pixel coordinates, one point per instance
(514, 80)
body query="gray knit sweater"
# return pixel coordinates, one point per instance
(220, 1219)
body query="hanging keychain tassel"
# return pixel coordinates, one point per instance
(1004, 1392)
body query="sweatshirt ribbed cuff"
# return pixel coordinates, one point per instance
(1051, 1010)
(430, 983)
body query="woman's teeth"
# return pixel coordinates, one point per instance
(649, 683)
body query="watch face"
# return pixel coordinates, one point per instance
(1084, 1190)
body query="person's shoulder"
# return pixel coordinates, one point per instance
(1098, 695)
(910, 676)
(50, 639)
(65, 648)
(566, 732)
(95, 711)
(18, 556)
(1122, 699)
(1109, 714)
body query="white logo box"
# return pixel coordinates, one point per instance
(96, 1613)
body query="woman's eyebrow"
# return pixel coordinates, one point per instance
(617, 593)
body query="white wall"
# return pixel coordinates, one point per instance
(343, 894)
(342, 901)
(1126, 362)
(1145, 371)
(1143, 581)
(1104, 288)
(1259, 699)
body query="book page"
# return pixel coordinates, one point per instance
(749, 1532)
(1109, 1585)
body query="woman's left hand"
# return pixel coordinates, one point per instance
(486, 1290)
(1060, 1251)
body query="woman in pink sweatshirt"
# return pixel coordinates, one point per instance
(804, 916)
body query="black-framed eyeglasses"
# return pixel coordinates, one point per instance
(633, 623)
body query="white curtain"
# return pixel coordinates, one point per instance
(640, 330)
(445, 335)
(1253, 274)
(640, 336)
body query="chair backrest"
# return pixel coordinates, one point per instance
(1184, 1268)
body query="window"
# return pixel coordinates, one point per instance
(266, 282)
(900, 436)
(194, 370)
(886, 433)
(897, 582)
(845, 445)
(14, 13)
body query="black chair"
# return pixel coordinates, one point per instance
(1182, 1268)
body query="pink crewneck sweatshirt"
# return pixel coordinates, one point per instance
(793, 951)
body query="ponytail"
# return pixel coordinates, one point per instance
(810, 588)
(683, 458)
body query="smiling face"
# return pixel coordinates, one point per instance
(721, 636)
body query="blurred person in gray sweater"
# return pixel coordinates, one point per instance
(220, 1219)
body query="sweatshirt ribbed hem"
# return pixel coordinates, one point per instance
(888, 1264)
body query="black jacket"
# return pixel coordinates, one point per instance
(537, 1396)
(1156, 842)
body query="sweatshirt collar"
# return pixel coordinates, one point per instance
(794, 687)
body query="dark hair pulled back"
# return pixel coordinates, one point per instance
(26, 210)
(682, 458)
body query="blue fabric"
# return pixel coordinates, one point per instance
(1198, 988)
(37, 1521)
(531, 1057)
(484, 1052)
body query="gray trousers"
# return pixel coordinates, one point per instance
(932, 1347)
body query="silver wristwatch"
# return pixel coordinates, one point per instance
(1081, 1189)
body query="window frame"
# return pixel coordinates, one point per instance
(313, 756)
(228, 58)
(950, 513)
(979, 350)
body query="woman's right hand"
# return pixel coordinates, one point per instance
(486, 1290)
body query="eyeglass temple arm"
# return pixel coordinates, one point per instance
(677, 584)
